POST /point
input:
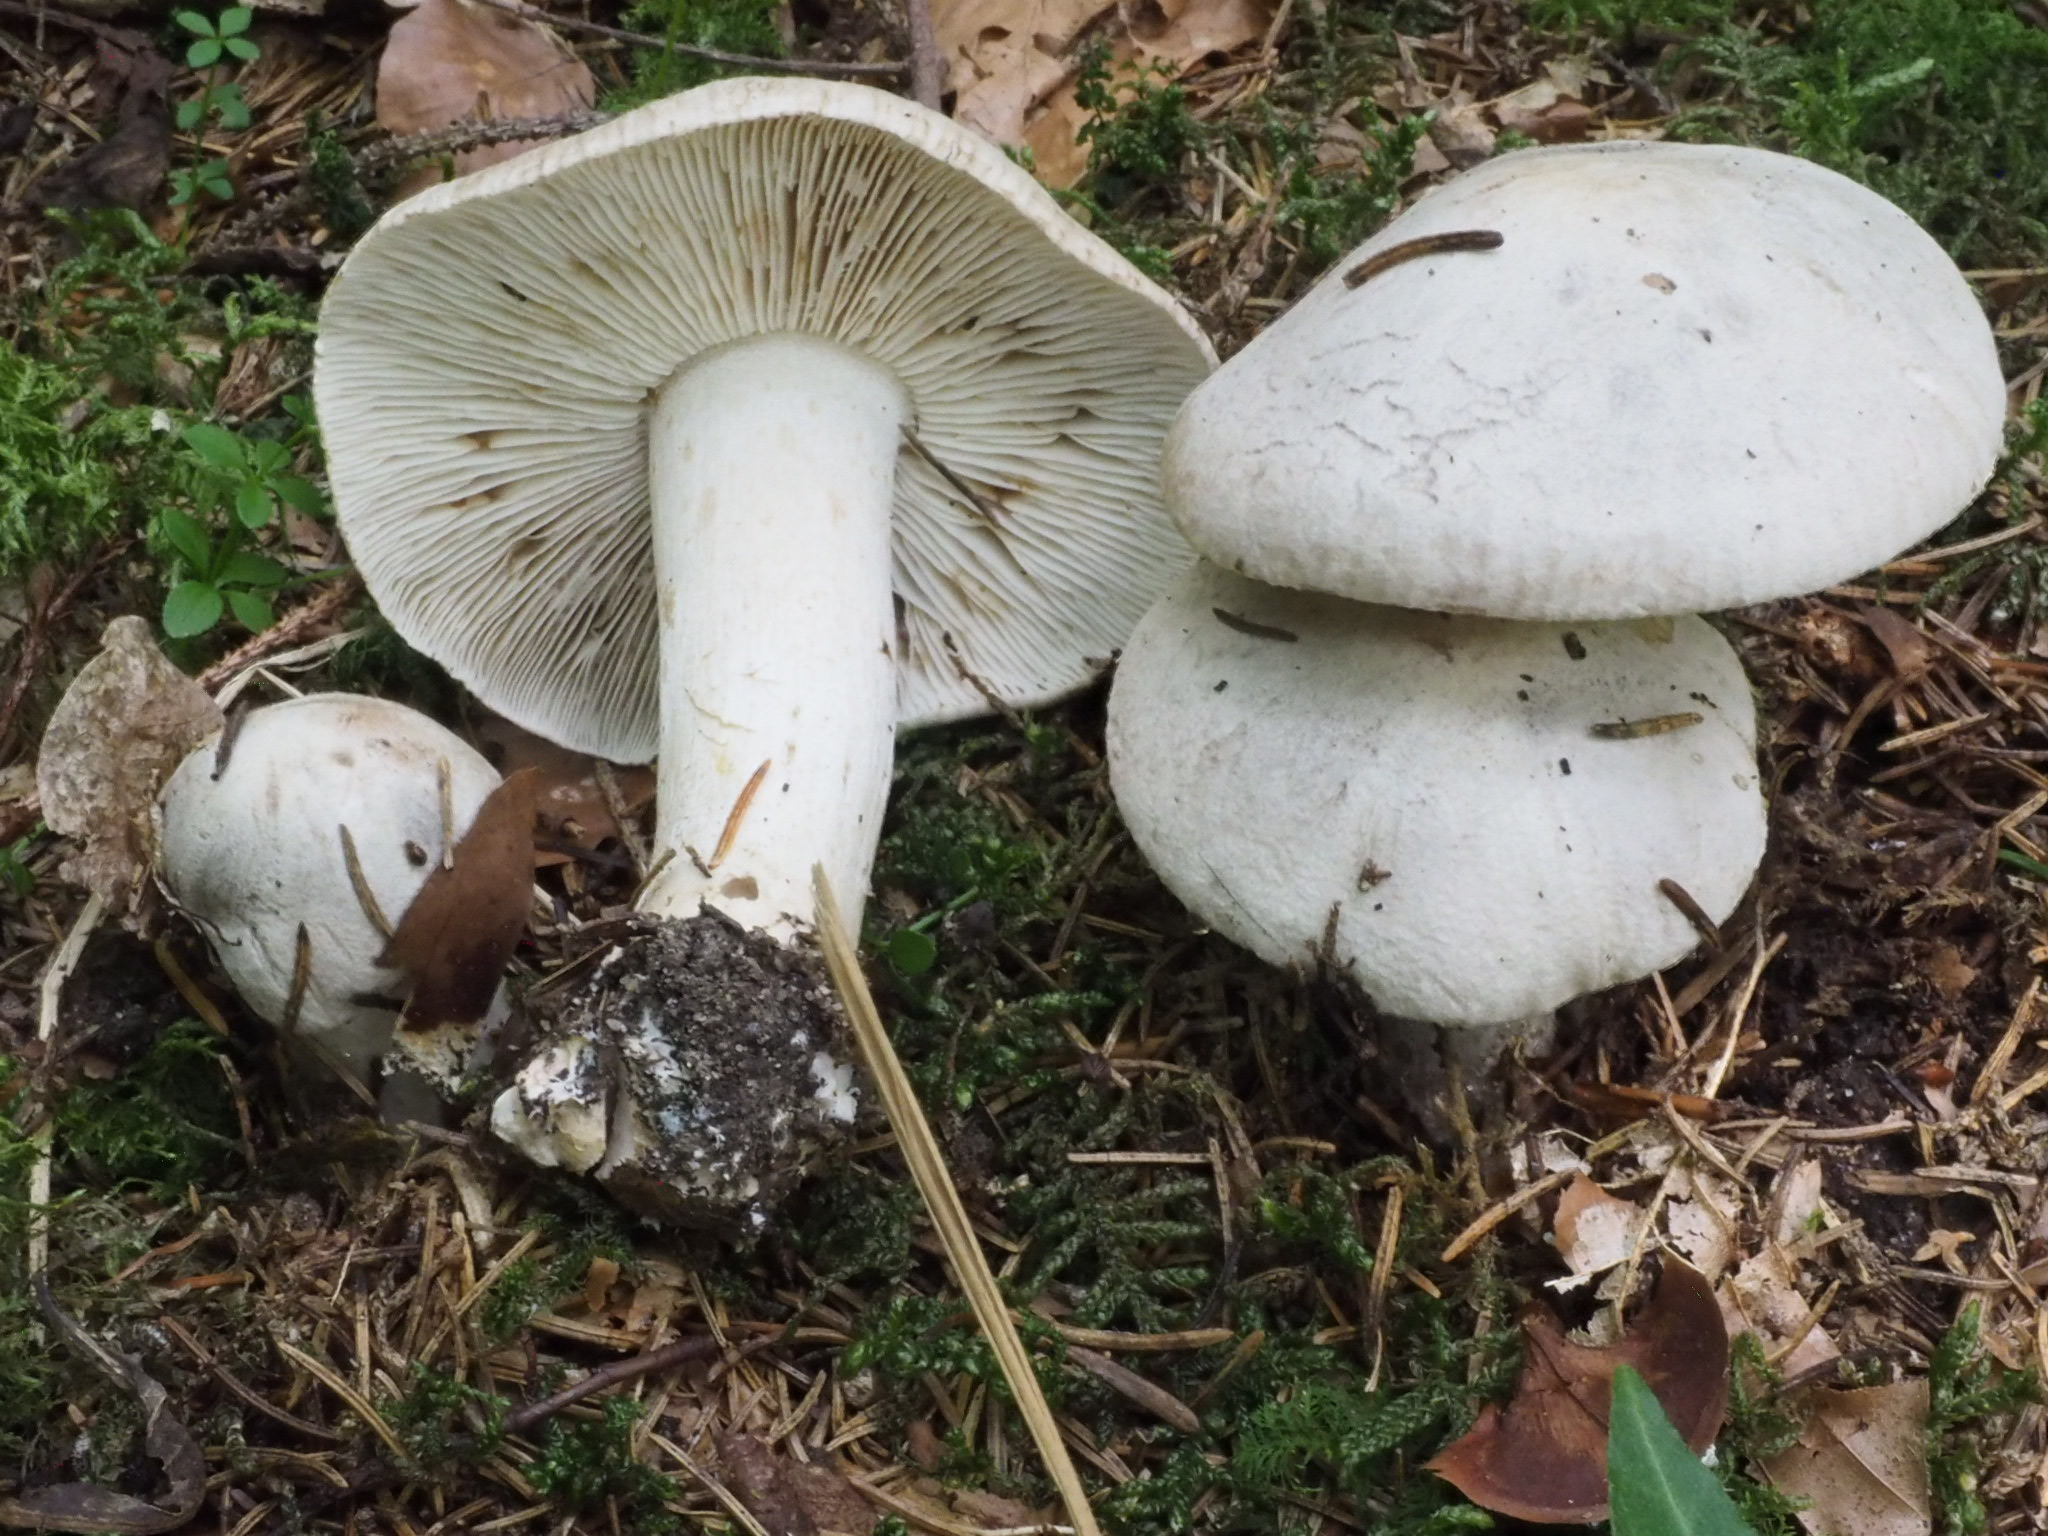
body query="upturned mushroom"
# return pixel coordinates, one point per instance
(278, 836)
(738, 432)
(1602, 381)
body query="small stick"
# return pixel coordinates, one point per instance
(1692, 912)
(1423, 245)
(49, 1005)
(927, 64)
(1245, 626)
(361, 882)
(989, 513)
(1652, 725)
(731, 832)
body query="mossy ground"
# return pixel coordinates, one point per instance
(1156, 1135)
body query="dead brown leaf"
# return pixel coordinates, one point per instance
(567, 801)
(456, 937)
(128, 719)
(449, 61)
(790, 1497)
(1594, 1231)
(1911, 652)
(1862, 1462)
(1544, 1457)
(1010, 63)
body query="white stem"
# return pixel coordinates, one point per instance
(773, 468)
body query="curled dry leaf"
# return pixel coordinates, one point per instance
(1861, 1462)
(448, 61)
(1544, 1457)
(456, 937)
(128, 719)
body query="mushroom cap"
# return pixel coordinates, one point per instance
(256, 852)
(1436, 782)
(1691, 377)
(486, 353)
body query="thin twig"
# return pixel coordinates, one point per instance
(49, 1008)
(633, 1367)
(927, 64)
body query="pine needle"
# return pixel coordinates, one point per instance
(935, 1183)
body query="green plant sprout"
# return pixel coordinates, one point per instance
(220, 102)
(252, 477)
(16, 878)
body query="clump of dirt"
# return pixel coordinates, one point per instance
(725, 1060)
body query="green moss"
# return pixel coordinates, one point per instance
(1937, 104)
(733, 26)
(585, 1461)
(443, 1419)
(166, 1125)
(1970, 1403)
(74, 468)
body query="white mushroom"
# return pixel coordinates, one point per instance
(256, 833)
(740, 430)
(1690, 377)
(1469, 817)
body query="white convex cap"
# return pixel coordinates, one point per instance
(1689, 378)
(254, 851)
(1475, 800)
(490, 354)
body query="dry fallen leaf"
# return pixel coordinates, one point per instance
(1544, 1457)
(448, 61)
(128, 719)
(456, 937)
(567, 801)
(1862, 1462)
(1010, 62)
(790, 1497)
(1594, 1230)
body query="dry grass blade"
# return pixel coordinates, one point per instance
(49, 1007)
(334, 1382)
(935, 1184)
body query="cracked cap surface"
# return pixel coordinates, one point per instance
(1689, 378)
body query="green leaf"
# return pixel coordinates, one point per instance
(302, 494)
(911, 952)
(251, 611)
(215, 180)
(243, 49)
(187, 535)
(235, 20)
(267, 457)
(203, 52)
(249, 569)
(216, 445)
(189, 113)
(253, 506)
(1656, 1486)
(191, 608)
(194, 23)
(234, 112)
